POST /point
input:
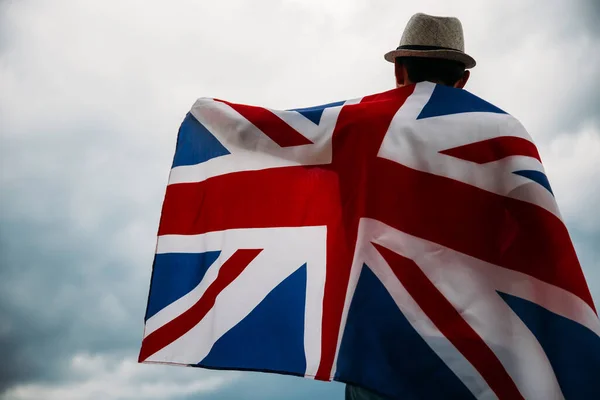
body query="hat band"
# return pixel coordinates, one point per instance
(421, 47)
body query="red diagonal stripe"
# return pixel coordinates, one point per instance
(494, 149)
(500, 230)
(357, 137)
(450, 323)
(179, 326)
(271, 125)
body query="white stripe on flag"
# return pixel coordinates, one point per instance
(285, 250)
(250, 148)
(470, 285)
(417, 144)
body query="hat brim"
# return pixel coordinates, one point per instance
(445, 54)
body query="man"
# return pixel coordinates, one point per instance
(431, 49)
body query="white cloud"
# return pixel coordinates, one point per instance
(571, 161)
(97, 377)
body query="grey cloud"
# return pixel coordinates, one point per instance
(591, 15)
(77, 222)
(260, 386)
(58, 300)
(102, 376)
(588, 252)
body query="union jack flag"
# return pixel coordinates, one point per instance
(408, 242)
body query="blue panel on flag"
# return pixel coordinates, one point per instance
(315, 113)
(447, 100)
(377, 337)
(271, 337)
(195, 144)
(573, 350)
(174, 275)
(536, 176)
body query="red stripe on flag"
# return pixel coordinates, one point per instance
(357, 137)
(179, 326)
(503, 231)
(494, 149)
(500, 230)
(271, 125)
(450, 323)
(278, 197)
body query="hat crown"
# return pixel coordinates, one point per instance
(428, 30)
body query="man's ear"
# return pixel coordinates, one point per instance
(463, 81)
(399, 71)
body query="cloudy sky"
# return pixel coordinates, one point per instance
(92, 94)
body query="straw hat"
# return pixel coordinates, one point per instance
(432, 37)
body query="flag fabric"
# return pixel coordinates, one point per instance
(408, 242)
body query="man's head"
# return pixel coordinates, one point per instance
(418, 69)
(431, 49)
